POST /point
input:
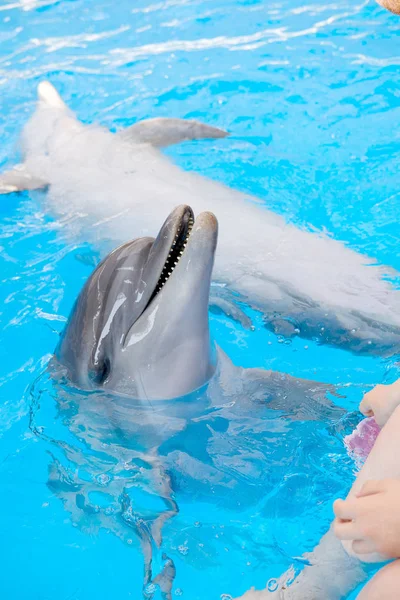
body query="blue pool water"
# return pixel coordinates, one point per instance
(310, 95)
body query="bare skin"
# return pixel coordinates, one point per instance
(392, 5)
(385, 584)
(381, 402)
(375, 505)
(371, 519)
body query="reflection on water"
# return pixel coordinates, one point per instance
(308, 92)
(124, 466)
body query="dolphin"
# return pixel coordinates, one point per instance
(107, 188)
(145, 392)
(137, 328)
(140, 328)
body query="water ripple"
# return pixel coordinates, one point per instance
(308, 92)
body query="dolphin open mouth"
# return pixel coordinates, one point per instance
(139, 327)
(184, 228)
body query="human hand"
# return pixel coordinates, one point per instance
(381, 402)
(392, 5)
(371, 519)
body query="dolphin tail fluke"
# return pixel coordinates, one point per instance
(163, 132)
(19, 179)
(48, 94)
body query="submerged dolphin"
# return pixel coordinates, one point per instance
(109, 187)
(160, 396)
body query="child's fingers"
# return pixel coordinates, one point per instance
(345, 509)
(371, 487)
(365, 407)
(346, 530)
(363, 547)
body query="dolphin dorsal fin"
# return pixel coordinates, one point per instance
(161, 132)
(48, 94)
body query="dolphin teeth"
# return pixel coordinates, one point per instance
(176, 251)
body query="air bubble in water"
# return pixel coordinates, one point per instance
(150, 590)
(103, 479)
(183, 549)
(226, 597)
(179, 592)
(272, 585)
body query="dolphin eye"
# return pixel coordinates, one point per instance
(100, 376)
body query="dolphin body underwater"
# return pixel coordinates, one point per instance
(137, 343)
(108, 188)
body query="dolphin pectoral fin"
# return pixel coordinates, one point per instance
(161, 132)
(19, 179)
(231, 310)
(297, 399)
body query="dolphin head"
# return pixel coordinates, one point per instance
(140, 324)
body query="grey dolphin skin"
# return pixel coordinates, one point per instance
(138, 343)
(140, 325)
(109, 187)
